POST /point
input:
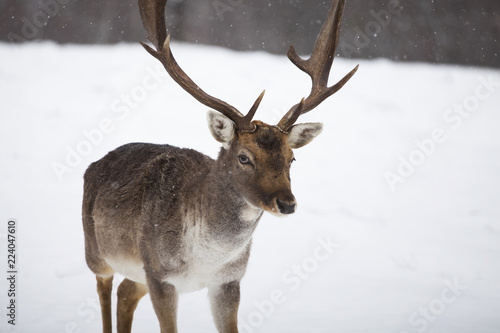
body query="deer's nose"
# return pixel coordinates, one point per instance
(286, 207)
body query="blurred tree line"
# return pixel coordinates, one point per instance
(463, 32)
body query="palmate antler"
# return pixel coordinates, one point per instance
(317, 66)
(153, 18)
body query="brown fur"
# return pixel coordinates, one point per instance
(173, 220)
(159, 208)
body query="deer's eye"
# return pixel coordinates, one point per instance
(244, 159)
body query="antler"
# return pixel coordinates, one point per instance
(318, 67)
(153, 19)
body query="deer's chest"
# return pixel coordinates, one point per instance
(205, 261)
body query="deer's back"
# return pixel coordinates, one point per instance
(121, 178)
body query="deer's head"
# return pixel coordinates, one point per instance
(258, 154)
(259, 159)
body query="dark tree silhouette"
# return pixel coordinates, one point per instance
(446, 31)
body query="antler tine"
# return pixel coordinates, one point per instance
(153, 18)
(248, 118)
(318, 66)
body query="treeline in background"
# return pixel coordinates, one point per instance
(465, 32)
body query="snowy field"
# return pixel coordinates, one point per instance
(398, 223)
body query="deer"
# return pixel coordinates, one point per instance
(173, 220)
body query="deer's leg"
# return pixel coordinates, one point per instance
(104, 287)
(129, 295)
(225, 300)
(164, 297)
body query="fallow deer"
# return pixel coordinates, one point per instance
(173, 220)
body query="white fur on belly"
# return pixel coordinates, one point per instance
(132, 270)
(185, 283)
(197, 278)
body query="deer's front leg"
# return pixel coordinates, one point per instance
(225, 300)
(164, 297)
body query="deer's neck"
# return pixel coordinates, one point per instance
(224, 210)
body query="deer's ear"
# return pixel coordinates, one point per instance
(301, 134)
(221, 127)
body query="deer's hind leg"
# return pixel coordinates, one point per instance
(104, 273)
(104, 277)
(129, 295)
(104, 288)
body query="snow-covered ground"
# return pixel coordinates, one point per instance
(398, 226)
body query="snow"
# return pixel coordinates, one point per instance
(397, 228)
